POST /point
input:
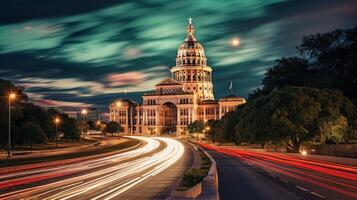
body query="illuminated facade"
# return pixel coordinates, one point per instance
(183, 98)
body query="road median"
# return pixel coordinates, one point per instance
(201, 181)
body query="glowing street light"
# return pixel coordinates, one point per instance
(208, 128)
(99, 128)
(84, 113)
(235, 42)
(12, 96)
(57, 121)
(303, 152)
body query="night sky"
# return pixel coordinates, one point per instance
(87, 52)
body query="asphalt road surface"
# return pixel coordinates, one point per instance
(267, 176)
(147, 172)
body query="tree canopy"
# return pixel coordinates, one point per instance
(196, 126)
(113, 127)
(25, 113)
(325, 60)
(32, 134)
(310, 97)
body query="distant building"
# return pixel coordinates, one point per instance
(72, 114)
(56, 108)
(178, 100)
(93, 114)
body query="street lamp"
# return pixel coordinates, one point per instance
(11, 97)
(57, 121)
(303, 152)
(84, 113)
(101, 134)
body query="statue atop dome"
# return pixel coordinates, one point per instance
(190, 31)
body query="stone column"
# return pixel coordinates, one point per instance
(137, 119)
(189, 115)
(157, 121)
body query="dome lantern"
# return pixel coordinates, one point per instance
(191, 52)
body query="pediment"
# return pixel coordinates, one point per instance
(168, 81)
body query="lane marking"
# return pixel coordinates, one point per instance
(301, 188)
(272, 175)
(318, 195)
(284, 180)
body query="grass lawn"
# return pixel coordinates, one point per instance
(88, 152)
(52, 145)
(195, 175)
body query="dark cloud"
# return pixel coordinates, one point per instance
(23, 10)
(77, 50)
(26, 64)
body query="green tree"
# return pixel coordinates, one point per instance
(325, 61)
(83, 126)
(32, 134)
(37, 115)
(196, 126)
(113, 127)
(70, 129)
(294, 115)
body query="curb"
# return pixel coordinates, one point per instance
(210, 182)
(207, 189)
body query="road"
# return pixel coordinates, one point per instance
(125, 175)
(252, 175)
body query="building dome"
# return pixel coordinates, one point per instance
(191, 52)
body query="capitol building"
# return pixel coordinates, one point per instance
(178, 100)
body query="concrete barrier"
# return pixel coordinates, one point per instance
(207, 189)
(191, 193)
(210, 182)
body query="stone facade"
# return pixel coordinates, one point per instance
(183, 98)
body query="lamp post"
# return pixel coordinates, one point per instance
(11, 97)
(84, 113)
(57, 121)
(101, 134)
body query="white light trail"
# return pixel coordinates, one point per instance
(114, 180)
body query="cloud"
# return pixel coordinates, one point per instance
(40, 100)
(125, 78)
(91, 51)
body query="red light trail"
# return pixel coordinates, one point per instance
(335, 177)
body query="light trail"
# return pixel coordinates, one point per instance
(108, 182)
(52, 172)
(333, 177)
